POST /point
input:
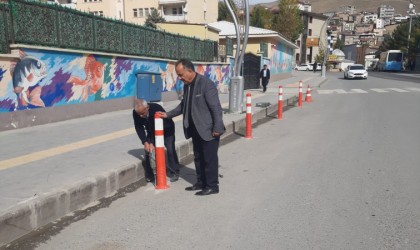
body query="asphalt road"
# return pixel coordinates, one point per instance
(342, 172)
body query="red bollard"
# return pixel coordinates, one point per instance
(300, 94)
(248, 133)
(160, 154)
(280, 103)
(308, 97)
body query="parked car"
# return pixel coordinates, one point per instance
(318, 66)
(303, 67)
(355, 71)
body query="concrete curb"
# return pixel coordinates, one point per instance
(48, 207)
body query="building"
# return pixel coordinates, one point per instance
(370, 18)
(347, 9)
(308, 42)
(135, 11)
(386, 12)
(269, 46)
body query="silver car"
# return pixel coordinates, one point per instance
(355, 71)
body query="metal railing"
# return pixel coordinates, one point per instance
(57, 26)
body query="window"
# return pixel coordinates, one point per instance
(174, 11)
(310, 19)
(310, 32)
(101, 13)
(180, 10)
(141, 12)
(298, 43)
(135, 13)
(146, 12)
(297, 57)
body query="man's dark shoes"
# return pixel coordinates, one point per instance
(207, 191)
(194, 187)
(174, 177)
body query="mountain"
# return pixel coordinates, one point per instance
(321, 6)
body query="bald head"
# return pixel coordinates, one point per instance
(141, 107)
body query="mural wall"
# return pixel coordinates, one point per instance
(42, 78)
(281, 59)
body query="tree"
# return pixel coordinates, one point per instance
(153, 18)
(339, 44)
(288, 22)
(261, 17)
(223, 13)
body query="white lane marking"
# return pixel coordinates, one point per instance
(398, 90)
(413, 89)
(331, 91)
(379, 90)
(358, 91)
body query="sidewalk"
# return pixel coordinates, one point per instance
(51, 170)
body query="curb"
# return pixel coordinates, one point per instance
(31, 214)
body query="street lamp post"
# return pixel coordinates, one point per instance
(411, 11)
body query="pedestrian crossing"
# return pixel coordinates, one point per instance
(366, 91)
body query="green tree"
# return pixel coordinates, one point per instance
(288, 22)
(223, 12)
(399, 39)
(153, 18)
(261, 17)
(339, 44)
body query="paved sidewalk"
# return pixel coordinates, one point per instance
(51, 170)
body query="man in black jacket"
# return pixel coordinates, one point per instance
(265, 76)
(144, 122)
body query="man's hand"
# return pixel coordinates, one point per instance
(149, 147)
(215, 134)
(162, 114)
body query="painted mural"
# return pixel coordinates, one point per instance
(281, 59)
(42, 78)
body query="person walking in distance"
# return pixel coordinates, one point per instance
(315, 66)
(144, 123)
(265, 76)
(203, 122)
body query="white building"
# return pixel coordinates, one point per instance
(386, 12)
(370, 18)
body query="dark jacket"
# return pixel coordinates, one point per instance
(145, 127)
(267, 75)
(206, 111)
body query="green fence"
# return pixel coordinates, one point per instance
(52, 25)
(4, 28)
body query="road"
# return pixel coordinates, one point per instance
(339, 173)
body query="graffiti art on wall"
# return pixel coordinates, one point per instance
(281, 60)
(42, 78)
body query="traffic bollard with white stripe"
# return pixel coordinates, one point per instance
(160, 154)
(248, 133)
(280, 103)
(300, 94)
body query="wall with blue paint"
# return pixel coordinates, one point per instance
(281, 60)
(43, 78)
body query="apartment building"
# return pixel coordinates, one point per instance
(386, 12)
(370, 18)
(136, 11)
(308, 42)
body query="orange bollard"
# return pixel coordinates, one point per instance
(248, 130)
(280, 103)
(308, 97)
(160, 154)
(300, 94)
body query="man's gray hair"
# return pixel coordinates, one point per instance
(140, 103)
